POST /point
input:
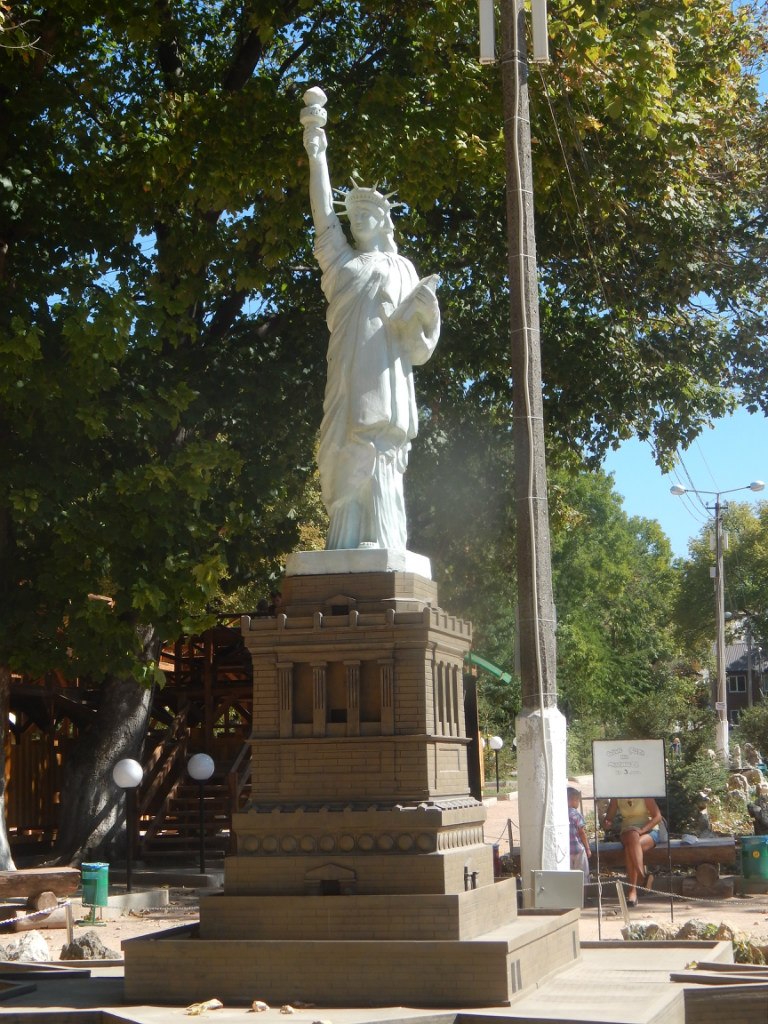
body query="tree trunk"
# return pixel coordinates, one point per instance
(93, 819)
(6, 860)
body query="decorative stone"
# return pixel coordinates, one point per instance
(88, 946)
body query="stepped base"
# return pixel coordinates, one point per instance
(489, 970)
(413, 916)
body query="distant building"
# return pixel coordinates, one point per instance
(740, 665)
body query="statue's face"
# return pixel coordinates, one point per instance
(366, 221)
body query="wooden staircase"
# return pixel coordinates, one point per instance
(168, 801)
(174, 832)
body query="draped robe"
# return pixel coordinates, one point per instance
(369, 410)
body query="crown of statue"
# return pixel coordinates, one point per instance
(359, 194)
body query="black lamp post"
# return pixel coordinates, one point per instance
(127, 774)
(200, 768)
(496, 743)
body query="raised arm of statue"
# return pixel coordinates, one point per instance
(313, 117)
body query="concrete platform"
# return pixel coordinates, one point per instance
(612, 983)
(490, 968)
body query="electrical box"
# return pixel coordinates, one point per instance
(558, 890)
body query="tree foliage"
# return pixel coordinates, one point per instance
(162, 339)
(614, 587)
(745, 565)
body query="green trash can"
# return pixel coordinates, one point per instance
(95, 884)
(754, 856)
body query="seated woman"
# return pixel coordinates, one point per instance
(640, 820)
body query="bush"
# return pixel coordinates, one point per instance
(686, 778)
(753, 728)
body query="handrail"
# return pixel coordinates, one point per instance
(159, 774)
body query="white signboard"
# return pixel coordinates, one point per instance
(629, 768)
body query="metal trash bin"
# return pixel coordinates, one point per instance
(95, 879)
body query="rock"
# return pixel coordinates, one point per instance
(736, 800)
(197, 1009)
(751, 755)
(647, 931)
(31, 947)
(287, 1009)
(753, 776)
(693, 929)
(88, 946)
(738, 782)
(259, 1006)
(725, 932)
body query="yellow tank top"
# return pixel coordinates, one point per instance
(634, 813)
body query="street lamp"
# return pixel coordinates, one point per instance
(127, 774)
(721, 705)
(496, 743)
(200, 768)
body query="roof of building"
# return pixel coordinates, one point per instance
(736, 659)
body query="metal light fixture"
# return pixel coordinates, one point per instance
(201, 768)
(496, 743)
(127, 774)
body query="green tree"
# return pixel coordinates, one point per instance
(161, 332)
(745, 564)
(614, 590)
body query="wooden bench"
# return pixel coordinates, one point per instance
(33, 882)
(41, 887)
(721, 851)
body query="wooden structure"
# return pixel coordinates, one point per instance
(204, 706)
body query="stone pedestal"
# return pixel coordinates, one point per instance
(360, 875)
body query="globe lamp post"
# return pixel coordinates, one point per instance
(496, 743)
(200, 768)
(127, 774)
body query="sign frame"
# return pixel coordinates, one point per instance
(629, 768)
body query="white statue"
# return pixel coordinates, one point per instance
(383, 321)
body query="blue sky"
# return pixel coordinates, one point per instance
(732, 454)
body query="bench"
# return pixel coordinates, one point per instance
(720, 850)
(706, 857)
(41, 887)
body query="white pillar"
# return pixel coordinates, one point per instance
(542, 796)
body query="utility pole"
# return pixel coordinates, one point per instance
(721, 701)
(541, 737)
(718, 574)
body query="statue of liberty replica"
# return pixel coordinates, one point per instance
(383, 321)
